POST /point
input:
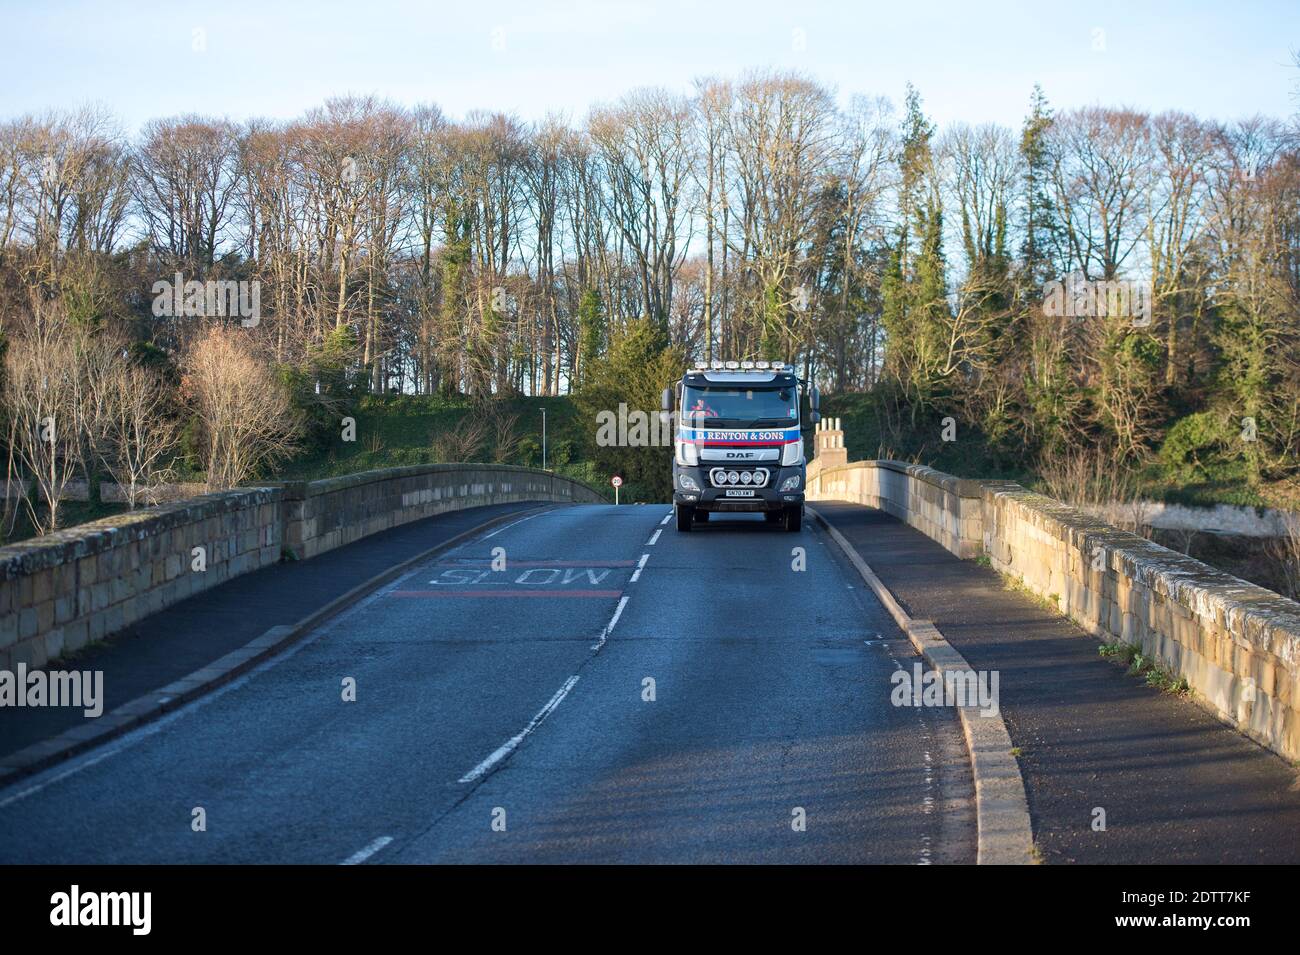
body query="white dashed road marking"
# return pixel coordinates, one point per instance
(510, 745)
(361, 856)
(609, 627)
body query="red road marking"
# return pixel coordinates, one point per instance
(485, 592)
(475, 563)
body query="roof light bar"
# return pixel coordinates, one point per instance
(733, 365)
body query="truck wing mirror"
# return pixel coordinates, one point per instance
(666, 400)
(814, 416)
(815, 397)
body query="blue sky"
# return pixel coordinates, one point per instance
(973, 61)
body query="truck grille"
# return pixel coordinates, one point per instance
(739, 477)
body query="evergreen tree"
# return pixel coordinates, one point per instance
(637, 366)
(1039, 221)
(915, 311)
(455, 265)
(591, 330)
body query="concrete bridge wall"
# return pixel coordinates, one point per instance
(66, 589)
(1236, 644)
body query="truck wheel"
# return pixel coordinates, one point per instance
(684, 516)
(793, 519)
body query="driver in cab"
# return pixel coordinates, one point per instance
(701, 410)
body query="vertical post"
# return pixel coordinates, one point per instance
(616, 495)
(543, 439)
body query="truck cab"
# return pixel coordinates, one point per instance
(738, 446)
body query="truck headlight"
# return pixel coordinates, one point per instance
(688, 483)
(688, 454)
(791, 483)
(792, 454)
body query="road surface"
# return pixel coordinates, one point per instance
(619, 692)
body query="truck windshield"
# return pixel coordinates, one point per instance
(739, 406)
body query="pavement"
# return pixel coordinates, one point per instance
(1176, 785)
(618, 692)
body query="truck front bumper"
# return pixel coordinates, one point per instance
(709, 498)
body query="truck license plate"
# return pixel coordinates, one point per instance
(738, 492)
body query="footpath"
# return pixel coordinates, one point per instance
(1176, 785)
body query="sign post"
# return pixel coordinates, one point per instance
(618, 483)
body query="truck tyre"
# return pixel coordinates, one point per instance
(793, 519)
(684, 516)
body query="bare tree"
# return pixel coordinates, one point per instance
(505, 431)
(139, 427)
(648, 150)
(782, 142)
(45, 394)
(1101, 177)
(247, 420)
(461, 443)
(185, 175)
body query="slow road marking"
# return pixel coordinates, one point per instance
(476, 594)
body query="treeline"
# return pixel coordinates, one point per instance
(401, 250)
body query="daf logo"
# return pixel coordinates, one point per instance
(741, 455)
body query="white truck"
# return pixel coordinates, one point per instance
(738, 446)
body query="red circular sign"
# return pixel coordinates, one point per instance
(616, 481)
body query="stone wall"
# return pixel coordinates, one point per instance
(66, 589)
(942, 507)
(322, 515)
(1236, 644)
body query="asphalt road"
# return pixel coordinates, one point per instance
(505, 716)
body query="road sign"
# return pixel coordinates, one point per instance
(618, 483)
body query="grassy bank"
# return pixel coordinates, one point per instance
(401, 430)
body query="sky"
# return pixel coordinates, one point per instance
(972, 60)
